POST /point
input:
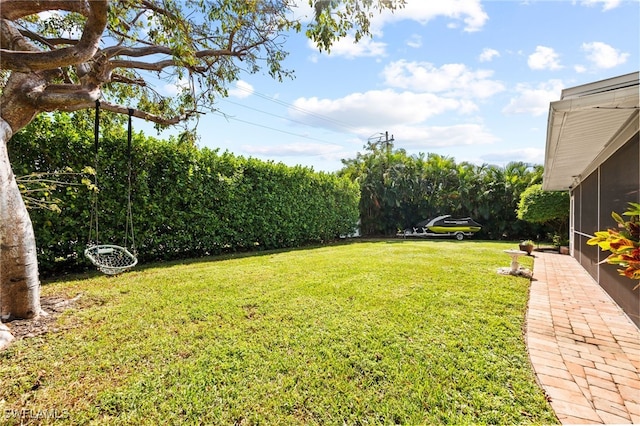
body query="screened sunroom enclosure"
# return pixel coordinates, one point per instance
(593, 151)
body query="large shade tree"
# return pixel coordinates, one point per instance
(64, 55)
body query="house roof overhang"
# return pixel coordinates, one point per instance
(586, 126)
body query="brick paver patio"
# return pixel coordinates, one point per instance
(584, 350)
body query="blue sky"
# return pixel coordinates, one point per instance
(467, 79)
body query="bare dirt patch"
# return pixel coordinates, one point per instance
(53, 306)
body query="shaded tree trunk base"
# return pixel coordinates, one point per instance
(40, 325)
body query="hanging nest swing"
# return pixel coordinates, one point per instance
(112, 259)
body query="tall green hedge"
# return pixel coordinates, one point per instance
(186, 202)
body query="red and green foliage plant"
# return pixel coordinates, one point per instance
(623, 243)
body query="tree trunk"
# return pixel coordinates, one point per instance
(19, 282)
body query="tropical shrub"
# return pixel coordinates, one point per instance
(399, 190)
(623, 243)
(539, 206)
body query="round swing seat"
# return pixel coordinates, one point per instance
(111, 259)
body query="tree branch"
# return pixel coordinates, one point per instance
(16, 9)
(149, 66)
(160, 65)
(118, 78)
(158, 10)
(69, 98)
(33, 60)
(147, 116)
(47, 41)
(65, 97)
(137, 52)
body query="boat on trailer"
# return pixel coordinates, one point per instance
(443, 226)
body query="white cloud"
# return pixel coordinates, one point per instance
(487, 55)
(527, 155)
(49, 14)
(173, 89)
(374, 109)
(348, 48)
(579, 69)
(297, 149)
(604, 56)
(534, 100)
(606, 4)
(303, 11)
(421, 138)
(469, 12)
(450, 79)
(417, 138)
(415, 41)
(544, 58)
(242, 90)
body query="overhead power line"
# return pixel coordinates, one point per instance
(346, 126)
(265, 112)
(271, 128)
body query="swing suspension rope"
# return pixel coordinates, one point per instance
(109, 258)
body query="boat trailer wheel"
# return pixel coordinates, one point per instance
(459, 236)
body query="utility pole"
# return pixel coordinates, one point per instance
(387, 142)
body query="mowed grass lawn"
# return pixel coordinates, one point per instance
(378, 332)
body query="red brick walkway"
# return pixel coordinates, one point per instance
(584, 350)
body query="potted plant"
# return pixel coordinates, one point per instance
(561, 243)
(623, 243)
(526, 245)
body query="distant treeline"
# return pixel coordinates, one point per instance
(399, 190)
